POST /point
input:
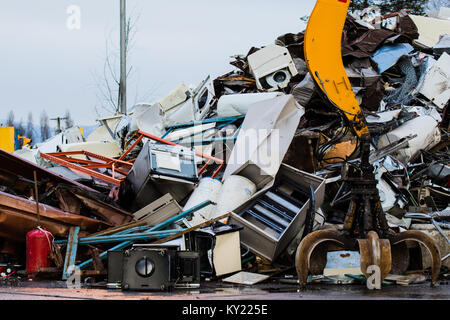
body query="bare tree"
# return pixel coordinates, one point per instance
(108, 83)
(387, 6)
(21, 128)
(45, 127)
(68, 121)
(435, 5)
(360, 4)
(29, 130)
(10, 120)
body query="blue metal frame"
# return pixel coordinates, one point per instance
(123, 237)
(166, 133)
(194, 123)
(71, 251)
(209, 140)
(220, 126)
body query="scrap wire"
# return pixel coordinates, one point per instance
(327, 145)
(337, 197)
(246, 252)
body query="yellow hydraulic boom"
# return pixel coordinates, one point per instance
(324, 60)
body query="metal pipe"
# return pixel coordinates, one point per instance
(166, 133)
(36, 198)
(218, 170)
(129, 238)
(123, 58)
(124, 237)
(204, 167)
(131, 148)
(132, 230)
(265, 221)
(150, 136)
(208, 140)
(193, 123)
(117, 230)
(130, 235)
(159, 226)
(179, 140)
(260, 209)
(273, 208)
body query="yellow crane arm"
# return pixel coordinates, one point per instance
(25, 140)
(322, 47)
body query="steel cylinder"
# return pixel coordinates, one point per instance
(207, 189)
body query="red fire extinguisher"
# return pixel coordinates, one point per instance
(38, 248)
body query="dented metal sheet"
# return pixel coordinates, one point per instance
(430, 29)
(177, 96)
(388, 56)
(264, 139)
(238, 104)
(104, 148)
(248, 278)
(436, 86)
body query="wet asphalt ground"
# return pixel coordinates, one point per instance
(57, 290)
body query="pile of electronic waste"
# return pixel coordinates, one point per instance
(222, 182)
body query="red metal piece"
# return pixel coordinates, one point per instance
(87, 166)
(115, 165)
(207, 164)
(131, 147)
(38, 248)
(204, 167)
(205, 156)
(218, 170)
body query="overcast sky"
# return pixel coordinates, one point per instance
(45, 65)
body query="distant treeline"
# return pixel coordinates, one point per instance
(40, 132)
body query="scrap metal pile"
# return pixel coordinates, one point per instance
(224, 180)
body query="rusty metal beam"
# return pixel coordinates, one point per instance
(17, 166)
(88, 171)
(205, 156)
(131, 147)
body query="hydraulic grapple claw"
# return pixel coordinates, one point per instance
(306, 248)
(428, 243)
(375, 252)
(365, 221)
